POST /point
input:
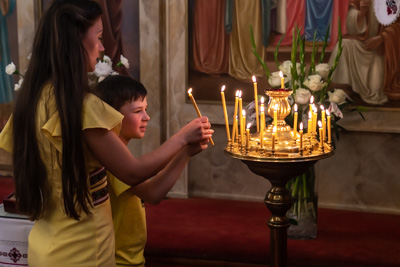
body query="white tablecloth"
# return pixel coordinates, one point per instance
(14, 231)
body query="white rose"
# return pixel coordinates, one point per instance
(334, 108)
(302, 96)
(107, 60)
(102, 69)
(10, 69)
(322, 70)
(287, 66)
(17, 86)
(125, 62)
(275, 80)
(314, 83)
(338, 96)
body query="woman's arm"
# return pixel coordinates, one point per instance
(112, 153)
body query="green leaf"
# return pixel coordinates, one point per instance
(277, 50)
(254, 50)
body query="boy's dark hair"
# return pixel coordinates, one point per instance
(116, 90)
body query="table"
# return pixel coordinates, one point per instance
(14, 232)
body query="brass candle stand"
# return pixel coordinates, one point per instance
(279, 162)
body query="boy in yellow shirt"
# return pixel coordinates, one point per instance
(128, 96)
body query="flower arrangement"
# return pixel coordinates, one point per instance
(310, 91)
(104, 68)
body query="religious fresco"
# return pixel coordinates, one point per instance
(220, 50)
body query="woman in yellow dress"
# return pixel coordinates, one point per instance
(62, 137)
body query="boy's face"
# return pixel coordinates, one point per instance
(135, 120)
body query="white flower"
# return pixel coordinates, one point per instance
(275, 80)
(286, 67)
(314, 83)
(102, 69)
(322, 70)
(338, 96)
(17, 86)
(124, 61)
(302, 96)
(10, 69)
(334, 108)
(107, 59)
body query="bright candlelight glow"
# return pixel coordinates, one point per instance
(248, 135)
(282, 79)
(321, 137)
(256, 102)
(323, 122)
(310, 107)
(296, 114)
(262, 118)
(225, 112)
(328, 118)
(301, 135)
(196, 108)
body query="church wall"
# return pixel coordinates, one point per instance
(362, 175)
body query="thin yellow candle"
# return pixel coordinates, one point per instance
(256, 102)
(273, 138)
(328, 118)
(301, 135)
(323, 122)
(296, 114)
(310, 107)
(315, 115)
(240, 105)
(234, 127)
(242, 123)
(225, 112)
(248, 135)
(276, 116)
(309, 122)
(196, 108)
(282, 79)
(321, 136)
(262, 118)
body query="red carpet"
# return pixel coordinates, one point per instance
(237, 231)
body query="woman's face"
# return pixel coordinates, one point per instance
(92, 42)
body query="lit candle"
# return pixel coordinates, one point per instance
(276, 116)
(242, 123)
(296, 114)
(328, 118)
(323, 122)
(309, 122)
(240, 105)
(256, 102)
(248, 135)
(196, 108)
(301, 135)
(282, 79)
(310, 107)
(262, 105)
(262, 118)
(321, 136)
(225, 112)
(273, 138)
(314, 119)
(234, 126)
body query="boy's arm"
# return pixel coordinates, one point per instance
(155, 189)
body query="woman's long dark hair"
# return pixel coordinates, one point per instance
(58, 57)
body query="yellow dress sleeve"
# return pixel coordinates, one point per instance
(6, 137)
(95, 114)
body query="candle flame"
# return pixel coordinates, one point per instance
(328, 113)
(262, 100)
(315, 109)
(240, 93)
(280, 74)
(243, 113)
(322, 107)
(190, 91)
(262, 108)
(254, 79)
(320, 124)
(223, 88)
(249, 125)
(301, 126)
(311, 99)
(295, 107)
(237, 93)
